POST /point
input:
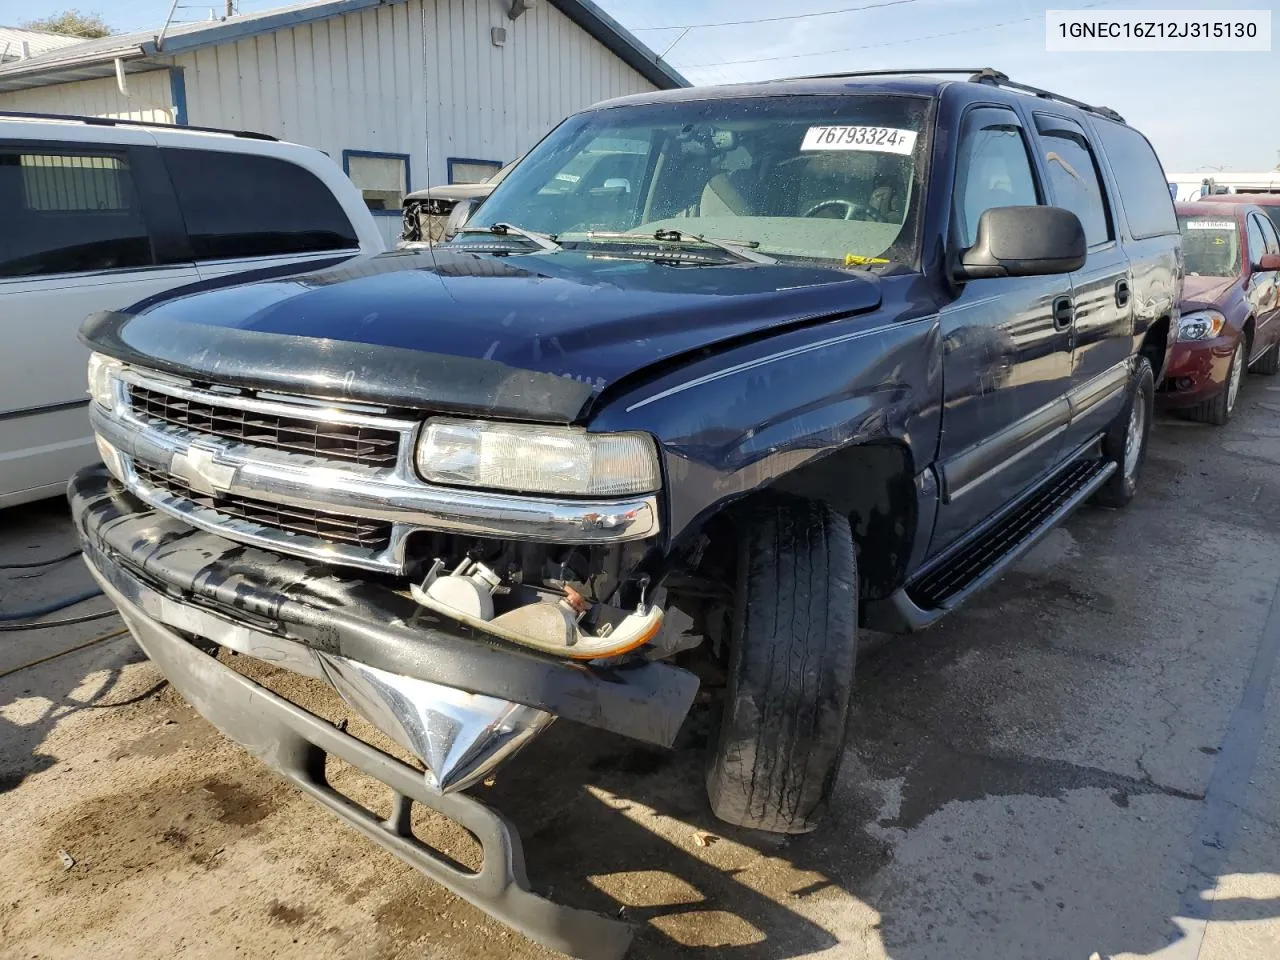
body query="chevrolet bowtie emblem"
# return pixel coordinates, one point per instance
(199, 469)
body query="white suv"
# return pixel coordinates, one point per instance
(99, 214)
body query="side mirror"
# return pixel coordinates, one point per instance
(617, 185)
(458, 217)
(1269, 261)
(1024, 242)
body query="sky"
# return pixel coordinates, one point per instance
(1203, 111)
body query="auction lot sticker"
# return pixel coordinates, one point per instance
(874, 139)
(1157, 31)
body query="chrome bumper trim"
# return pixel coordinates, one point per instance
(461, 737)
(393, 495)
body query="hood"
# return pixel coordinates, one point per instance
(1201, 292)
(453, 192)
(534, 336)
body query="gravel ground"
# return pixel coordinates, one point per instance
(1080, 762)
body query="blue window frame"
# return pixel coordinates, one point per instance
(465, 169)
(178, 95)
(374, 177)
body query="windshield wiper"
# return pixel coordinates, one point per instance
(742, 249)
(545, 241)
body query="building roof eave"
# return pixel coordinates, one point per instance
(56, 66)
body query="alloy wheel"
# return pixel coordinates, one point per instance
(1133, 437)
(1237, 374)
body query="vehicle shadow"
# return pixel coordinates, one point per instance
(625, 830)
(640, 842)
(951, 835)
(42, 673)
(34, 700)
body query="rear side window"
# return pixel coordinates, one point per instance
(1144, 192)
(1073, 175)
(241, 205)
(1257, 246)
(1269, 237)
(69, 212)
(993, 169)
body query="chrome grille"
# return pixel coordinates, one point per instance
(362, 532)
(346, 442)
(247, 474)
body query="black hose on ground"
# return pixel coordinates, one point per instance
(68, 621)
(50, 607)
(39, 563)
(62, 653)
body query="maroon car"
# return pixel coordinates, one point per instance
(1269, 202)
(1230, 308)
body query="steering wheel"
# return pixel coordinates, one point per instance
(849, 210)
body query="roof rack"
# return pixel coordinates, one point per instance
(892, 73)
(997, 79)
(112, 122)
(987, 75)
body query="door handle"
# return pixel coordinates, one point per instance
(1122, 292)
(1064, 313)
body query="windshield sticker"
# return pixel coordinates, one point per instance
(1210, 225)
(873, 139)
(856, 260)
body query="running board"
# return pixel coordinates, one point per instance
(956, 576)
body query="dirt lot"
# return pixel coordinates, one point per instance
(1082, 761)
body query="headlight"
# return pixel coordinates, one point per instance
(1201, 325)
(532, 459)
(102, 373)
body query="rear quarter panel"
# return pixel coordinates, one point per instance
(1155, 263)
(1157, 272)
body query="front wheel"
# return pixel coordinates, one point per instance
(1217, 410)
(791, 658)
(1125, 442)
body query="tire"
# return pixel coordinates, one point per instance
(1269, 363)
(791, 659)
(1217, 410)
(1123, 484)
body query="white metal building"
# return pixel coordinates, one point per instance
(1191, 186)
(373, 83)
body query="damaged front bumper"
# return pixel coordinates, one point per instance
(458, 698)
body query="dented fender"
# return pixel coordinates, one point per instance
(743, 419)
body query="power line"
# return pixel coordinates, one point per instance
(793, 16)
(887, 43)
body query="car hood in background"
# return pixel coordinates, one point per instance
(1201, 292)
(533, 336)
(453, 192)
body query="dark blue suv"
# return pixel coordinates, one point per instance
(713, 377)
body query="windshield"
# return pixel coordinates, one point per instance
(814, 177)
(1210, 246)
